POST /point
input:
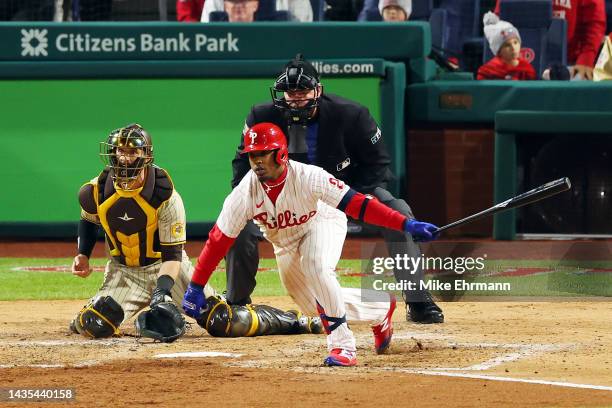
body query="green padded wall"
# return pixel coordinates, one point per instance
(51, 129)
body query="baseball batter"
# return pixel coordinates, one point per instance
(300, 209)
(143, 218)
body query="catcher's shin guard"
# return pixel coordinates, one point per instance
(223, 320)
(100, 318)
(307, 324)
(276, 321)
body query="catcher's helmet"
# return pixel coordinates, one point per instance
(130, 137)
(298, 75)
(266, 136)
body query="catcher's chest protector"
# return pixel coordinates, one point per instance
(129, 218)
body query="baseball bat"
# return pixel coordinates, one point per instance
(528, 197)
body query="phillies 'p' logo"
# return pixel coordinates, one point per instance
(252, 135)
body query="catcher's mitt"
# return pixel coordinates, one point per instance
(163, 322)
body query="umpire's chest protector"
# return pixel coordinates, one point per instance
(129, 218)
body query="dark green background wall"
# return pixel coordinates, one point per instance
(51, 129)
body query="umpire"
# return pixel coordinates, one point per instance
(340, 136)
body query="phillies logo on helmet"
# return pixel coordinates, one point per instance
(252, 135)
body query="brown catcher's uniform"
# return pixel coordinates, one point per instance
(140, 226)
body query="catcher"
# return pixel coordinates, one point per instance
(143, 218)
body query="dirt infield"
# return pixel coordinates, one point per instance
(486, 354)
(567, 342)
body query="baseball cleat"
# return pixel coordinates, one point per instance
(384, 330)
(425, 311)
(341, 358)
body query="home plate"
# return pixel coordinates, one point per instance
(198, 354)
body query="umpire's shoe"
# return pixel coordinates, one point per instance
(424, 311)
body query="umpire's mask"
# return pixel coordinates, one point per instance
(298, 76)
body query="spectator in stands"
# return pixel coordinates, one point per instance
(395, 10)
(505, 42)
(586, 27)
(244, 10)
(343, 10)
(189, 11)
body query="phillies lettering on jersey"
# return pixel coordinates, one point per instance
(285, 219)
(310, 194)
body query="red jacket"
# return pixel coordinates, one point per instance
(189, 10)
(586, 27)
(496, 68)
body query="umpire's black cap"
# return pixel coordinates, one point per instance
(298, 74)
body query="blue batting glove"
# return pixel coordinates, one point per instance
(421, 231)
(194, 302)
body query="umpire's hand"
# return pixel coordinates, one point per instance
(80, 266)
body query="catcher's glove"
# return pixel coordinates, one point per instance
(163, 322)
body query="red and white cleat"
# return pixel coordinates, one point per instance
(384, 330)
(341, 357)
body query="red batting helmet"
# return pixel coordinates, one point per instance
(266, 136)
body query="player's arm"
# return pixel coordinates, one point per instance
(231, 221)
(172, 236)
(366, 208)
(87, 232)
(368, 146)
(240, 163)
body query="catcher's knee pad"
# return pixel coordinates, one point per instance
(100, 318)
(225, 320)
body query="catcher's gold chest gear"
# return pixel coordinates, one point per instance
(129, 218)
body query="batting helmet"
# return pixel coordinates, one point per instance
(298, 75)
(266, 136)
(130, 137)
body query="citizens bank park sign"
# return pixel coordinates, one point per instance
(110, 41)
(44, 43)
(34, 42)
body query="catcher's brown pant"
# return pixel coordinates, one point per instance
(132, 287)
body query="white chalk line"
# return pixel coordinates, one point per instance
(76, 365)
(61, 343)
(506, 379)
(524, 350)
(198, 354)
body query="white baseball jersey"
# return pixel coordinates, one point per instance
(310, 195)
(307, 232)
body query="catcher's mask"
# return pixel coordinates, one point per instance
(266, 136)
(127, 151)
(298, 75)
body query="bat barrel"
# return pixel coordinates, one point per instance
(528, 197)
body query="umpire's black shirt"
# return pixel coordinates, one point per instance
(349, 144)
